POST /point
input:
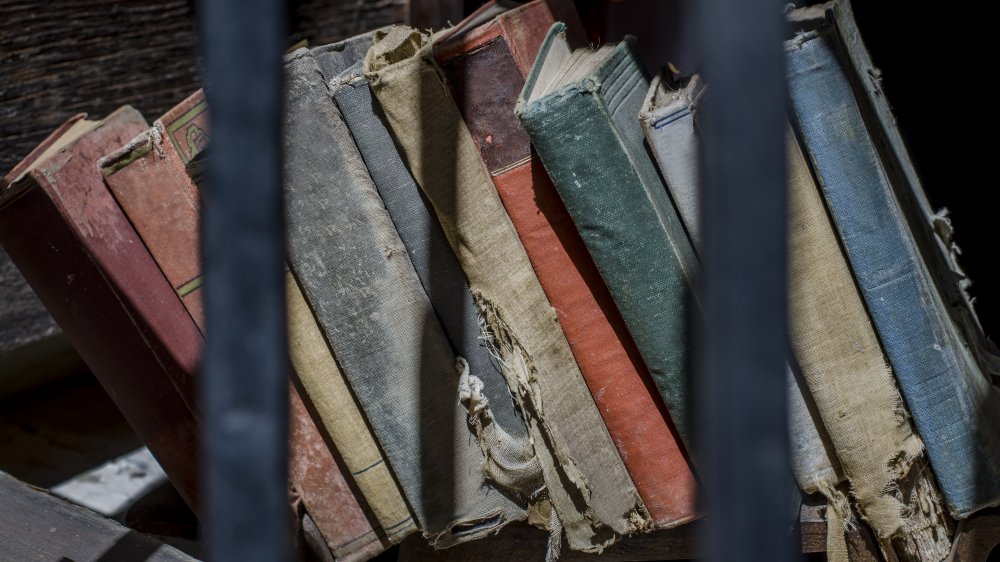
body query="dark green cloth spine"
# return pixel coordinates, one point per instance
(589, 138)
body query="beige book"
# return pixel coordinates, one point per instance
(329, 394)
(853, 385)
(587, 483)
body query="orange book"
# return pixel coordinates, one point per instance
(485, 62)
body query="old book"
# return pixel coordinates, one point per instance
(484, 65)
(593, 495)
(313, 470)
(76, 248)
(581, 110)
(148, 180)
(502, 433)
(955, 409)
(355, 273)
(668, 119)
(932, 229)
(836, 350)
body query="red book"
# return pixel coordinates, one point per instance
(148, 177)
(78, 251)
(485, 65)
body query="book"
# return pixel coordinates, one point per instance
(668, 119)
(81, 256)
(594, 498)
(581, 109)
(313, 470)
(954, 407)
(510, 457)
(484, 64)
(835, 348)
(932, 229)
(354, 271)
(147, 178)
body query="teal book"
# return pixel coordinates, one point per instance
(581, 110)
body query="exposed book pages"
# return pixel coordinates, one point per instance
(314, 472)
(502, 434)
(484, 69)
(955, 409)
(590, 489)
(355, 273)
(580, 108)
(83, 259)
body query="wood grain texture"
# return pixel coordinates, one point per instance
(37, 526)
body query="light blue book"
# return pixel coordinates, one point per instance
(876, 209)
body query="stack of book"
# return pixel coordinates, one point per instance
(493, 247)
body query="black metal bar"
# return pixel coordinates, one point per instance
(244, 383)
(743, 344)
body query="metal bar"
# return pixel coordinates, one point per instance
(244, 384)
(743, 343)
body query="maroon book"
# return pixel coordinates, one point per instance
(65, 232)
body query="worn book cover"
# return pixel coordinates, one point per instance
(315, 474)
(503, 437)
(954, 406)
(581, 108)
(354, 271)
(76, 248)
(483, 64)
(593, 495)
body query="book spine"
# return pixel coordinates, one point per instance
(433, 259)
(89, 268)
(622, 227)
(331, 398)
(671, 132)
(672, 137)
(955, 408)
(313, 469)
(485, 82)
(593, 496)
(855, 393)
(342, 522)
(147, 178)
(150, 182)
(354, 271)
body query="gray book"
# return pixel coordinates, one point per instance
(356, 274)
(510, 456)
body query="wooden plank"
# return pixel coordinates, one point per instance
(37, 526)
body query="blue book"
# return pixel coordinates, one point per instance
(956, 409)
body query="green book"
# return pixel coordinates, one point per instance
(581, 110)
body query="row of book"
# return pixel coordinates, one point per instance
(493, 238)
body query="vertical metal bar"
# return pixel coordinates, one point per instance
(743, 347)
(244, 383)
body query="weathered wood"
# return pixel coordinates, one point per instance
(37, 526)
